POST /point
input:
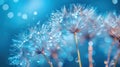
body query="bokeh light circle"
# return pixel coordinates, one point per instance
(5, 7)
(24, 16)
(10, 15)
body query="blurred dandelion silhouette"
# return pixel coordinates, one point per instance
(112, 24)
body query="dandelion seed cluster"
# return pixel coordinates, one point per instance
(55, 39)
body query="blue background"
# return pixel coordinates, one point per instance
(9, 28)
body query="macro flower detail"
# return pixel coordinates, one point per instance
(61, 36)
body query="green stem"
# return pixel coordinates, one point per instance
(77, 48)
(49, 62)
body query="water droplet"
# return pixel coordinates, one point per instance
(51, 37)
(10, 15)
(5, 7)
(38, 32)
(41, 61)
(38, 22)
(98, 33)
(38, 61)
(90, 43)
(76, 60)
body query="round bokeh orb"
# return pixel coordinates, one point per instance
(10, 15)
(5, 7)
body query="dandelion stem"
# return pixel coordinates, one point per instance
(116, 60)
(90, 50)
(48, 60)
(78, 52)
(27, 62)
(109, 53)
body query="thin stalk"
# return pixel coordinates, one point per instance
(27, 61)
(90, 50)
(109, 53)
(116, 60)
(77, 48)
(48, 60)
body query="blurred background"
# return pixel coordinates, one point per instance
(18, 15)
